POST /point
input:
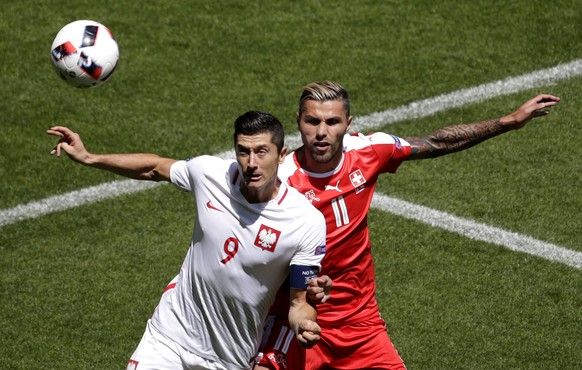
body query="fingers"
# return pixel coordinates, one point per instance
(309, 333)
(66, 135)
(308, 339)
(323, 281)
(319, 289)
(62, 129)
(327, 282)
(58, 148)
(545, 100)
(317, 298)
(55, 132)
(62, 132)
(310, 326)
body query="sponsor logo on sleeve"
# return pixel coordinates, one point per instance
(397, 142)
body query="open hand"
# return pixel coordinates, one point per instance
(535, 107)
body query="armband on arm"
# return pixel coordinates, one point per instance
(300, 275)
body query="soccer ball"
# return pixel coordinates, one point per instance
(84, 53)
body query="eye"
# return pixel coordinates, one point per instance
(242, 152)
(333, 121)
(311, 121)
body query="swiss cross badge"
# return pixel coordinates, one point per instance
(267, 238)
(357, 178)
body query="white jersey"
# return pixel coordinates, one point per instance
(239, 256)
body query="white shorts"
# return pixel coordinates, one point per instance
(155, 351)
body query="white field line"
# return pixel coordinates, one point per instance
(477, 231)
(419, 109)
(73, 199)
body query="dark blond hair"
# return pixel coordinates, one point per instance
(323, 91)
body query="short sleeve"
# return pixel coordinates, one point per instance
(312, 243)
(180, 175)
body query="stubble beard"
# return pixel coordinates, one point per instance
(326, 157)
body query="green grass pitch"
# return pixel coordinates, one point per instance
(77, 286)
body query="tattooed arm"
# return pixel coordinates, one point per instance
(459, 137)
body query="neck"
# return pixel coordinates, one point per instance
(309, 164)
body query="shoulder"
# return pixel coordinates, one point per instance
(204, 163)
(204, 166)
(359, 140)
(288, 167)
(297, 203)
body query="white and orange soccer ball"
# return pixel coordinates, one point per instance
(85, 53)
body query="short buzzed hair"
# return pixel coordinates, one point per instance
(323, 91)
(255, 122)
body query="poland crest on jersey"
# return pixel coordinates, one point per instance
(267, 238)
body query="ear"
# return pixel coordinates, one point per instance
(298, 115)
(349, 124)
(282, 155)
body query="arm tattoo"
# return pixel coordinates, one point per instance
(453, 139)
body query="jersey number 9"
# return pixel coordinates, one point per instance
(230, 248)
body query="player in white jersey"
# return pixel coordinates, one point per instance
(251, 232)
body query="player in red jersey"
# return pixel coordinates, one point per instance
(337, 172)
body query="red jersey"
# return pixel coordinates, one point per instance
(344, 196)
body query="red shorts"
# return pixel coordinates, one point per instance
(363, 346)
(279, 348)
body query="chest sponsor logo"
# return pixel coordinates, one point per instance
(267, 238)
(357, 178)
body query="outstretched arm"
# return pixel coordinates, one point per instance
(459, 137)
(141, 166)
(302, 318)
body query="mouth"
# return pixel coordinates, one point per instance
(320, 146)
(252, 177)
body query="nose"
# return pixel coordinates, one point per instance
(321, 131)
(252, 160)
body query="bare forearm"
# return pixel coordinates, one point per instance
(140, 166)
(302, 318)
(454, 138)
(299, 312)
